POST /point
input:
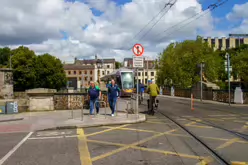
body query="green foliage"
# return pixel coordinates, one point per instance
(31, 71)
(117, 65)
(178, 64)
(240, 64)
(4, 56)
(50, 72)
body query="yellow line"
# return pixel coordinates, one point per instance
(239, 163)
(132, 129)
(83, 148)
(107, 130)
(107, 143)
(128, 146)
(206, 161)
(228, 143)
(213, 119)
(229, 118)
(167, 152)
(154, 122)
(199, 126)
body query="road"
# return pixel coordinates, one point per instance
(157, 141)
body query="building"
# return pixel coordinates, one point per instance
(79, 75)
(82, 71)
(145, 74)
(233, 41)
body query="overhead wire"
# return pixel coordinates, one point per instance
(194, 17)
(163, 10)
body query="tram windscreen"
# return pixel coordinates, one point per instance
(127, 80)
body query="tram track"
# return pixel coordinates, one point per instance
(213, 153)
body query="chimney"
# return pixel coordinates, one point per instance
(95, 57)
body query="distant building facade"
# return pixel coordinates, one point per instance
(147, 73)
(233, 41)
(81, 72)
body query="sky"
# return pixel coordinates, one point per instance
(109, 28)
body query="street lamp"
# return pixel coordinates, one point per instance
(99, 66)
(228, 68)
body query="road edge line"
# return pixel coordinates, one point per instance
(15, 148)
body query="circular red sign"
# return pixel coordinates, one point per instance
(138, 50)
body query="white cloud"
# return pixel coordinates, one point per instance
(38, 25)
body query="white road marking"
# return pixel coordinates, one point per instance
(54, 133)
(15, 148)
(52, 137)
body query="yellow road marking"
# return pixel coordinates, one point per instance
(107, 143)
(128, 146)
(206, 161)
(214, 119)
(229, 118)
(107, 130)
(132, 129)
(83, 148)
(154, 122)
(192, 124)
(239, 163)
(228, 143)
(168, 152)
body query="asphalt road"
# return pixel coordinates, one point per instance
(158, 141)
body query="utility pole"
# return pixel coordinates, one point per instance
(201, 81)
(228, 69)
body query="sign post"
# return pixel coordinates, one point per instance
(138, 62)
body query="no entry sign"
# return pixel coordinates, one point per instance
(138, 50)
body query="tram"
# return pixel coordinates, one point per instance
(124, 79)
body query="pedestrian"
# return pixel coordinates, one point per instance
(113, 93)
(94, 93)
(153, 91)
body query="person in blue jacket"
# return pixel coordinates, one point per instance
(94, 93)
(113, 94)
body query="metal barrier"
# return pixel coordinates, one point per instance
(134, 103)
(72, 110)
(118, 101)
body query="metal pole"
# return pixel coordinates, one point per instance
(229, 83)
(147, 70)
(201, 81)
(137, 94)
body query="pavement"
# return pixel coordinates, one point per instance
(156, 141)
(34, 121)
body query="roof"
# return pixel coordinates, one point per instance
(78, 67)
(93, 61)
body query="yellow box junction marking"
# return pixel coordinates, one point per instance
(239, 163)
(206, 161)
(193, 124)
(228, 143)
(134, 145)
(83, 148)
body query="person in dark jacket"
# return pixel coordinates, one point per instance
(94, 94)
(113, 94)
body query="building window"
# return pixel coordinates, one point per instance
(145, 80)
(91, 78)
(85, 78)
(139, 80)
(220, 44)
(108, 66)
(213, 42)
(85, 72)
(107, 72)
(139, 74)
(80, 78)
(69, 72)
(152, 73)
(227, 43)
(80, 72)
(91, 72)
(75, 72)
(241, 41)
(102, 72)
(145, 73)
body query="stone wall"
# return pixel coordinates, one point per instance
(6, 83)
(41, 103)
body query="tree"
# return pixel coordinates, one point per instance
(23, 63)
(50, 72)
(179, 61)
(240, 64)
(117, 65)
(31, 71)
(4, 56)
